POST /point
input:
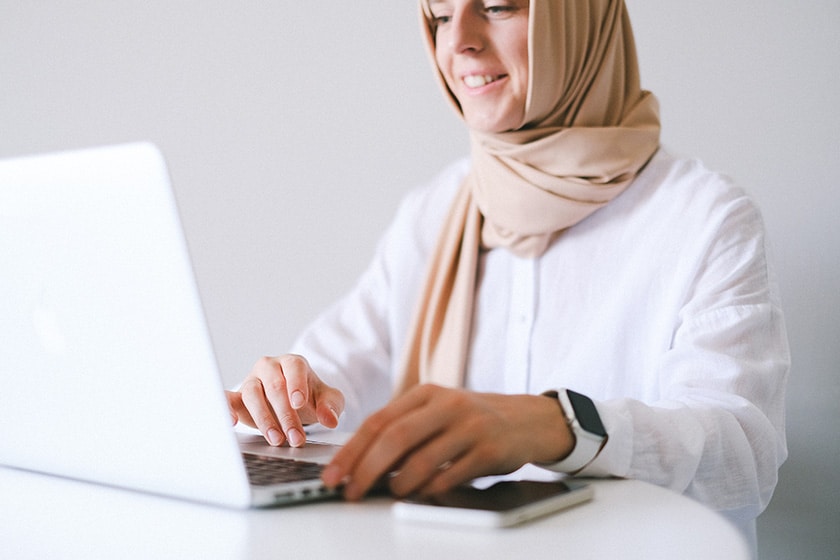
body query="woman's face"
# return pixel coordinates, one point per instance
(481, 48)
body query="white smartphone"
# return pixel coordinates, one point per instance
(503, 504)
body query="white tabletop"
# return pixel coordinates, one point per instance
(48, 517)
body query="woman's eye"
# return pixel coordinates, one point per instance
(440, 17)
(500, 10)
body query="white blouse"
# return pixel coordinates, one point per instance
(660, 307)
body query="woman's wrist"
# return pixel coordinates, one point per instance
(554, 438)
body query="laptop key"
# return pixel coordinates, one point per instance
(264, 470)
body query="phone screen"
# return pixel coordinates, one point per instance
(502, 496)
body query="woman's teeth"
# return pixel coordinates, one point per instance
(476, 81)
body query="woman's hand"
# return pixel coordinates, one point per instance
(431, 439)
(280, 396)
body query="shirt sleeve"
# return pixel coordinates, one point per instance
(717, 434)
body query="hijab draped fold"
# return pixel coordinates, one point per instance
(588, 129)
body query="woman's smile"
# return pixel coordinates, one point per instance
(476, 81)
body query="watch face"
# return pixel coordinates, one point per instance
(586, 413)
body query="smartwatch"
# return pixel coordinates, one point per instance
(585, 423)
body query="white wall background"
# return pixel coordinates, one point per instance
(293, 128)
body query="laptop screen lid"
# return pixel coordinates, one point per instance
(107, 371)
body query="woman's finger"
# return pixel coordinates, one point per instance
(261, 411)
(272, 376)
(296, 372)
(428, 461)
(386, 438)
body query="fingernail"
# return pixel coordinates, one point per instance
(296, 439)
(297, 399)
(273, 436)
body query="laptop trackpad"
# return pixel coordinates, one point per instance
(315, 451)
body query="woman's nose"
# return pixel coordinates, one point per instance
(466, 33)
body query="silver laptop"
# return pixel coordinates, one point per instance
(107, 371)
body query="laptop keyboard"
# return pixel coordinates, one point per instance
(265, 471)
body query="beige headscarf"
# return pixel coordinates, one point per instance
(587, 131)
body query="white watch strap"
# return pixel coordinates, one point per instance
(587, 445)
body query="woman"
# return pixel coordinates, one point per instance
(568, 252)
